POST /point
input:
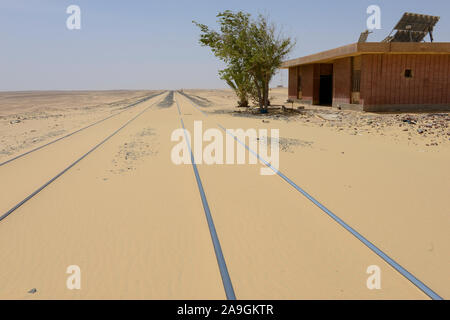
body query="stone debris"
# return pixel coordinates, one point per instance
(433, 126)
(288, 144)
(329, 117)
(140, 145)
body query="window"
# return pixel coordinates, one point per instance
(408, 73)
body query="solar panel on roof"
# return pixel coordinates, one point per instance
(413, 27)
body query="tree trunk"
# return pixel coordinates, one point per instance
(260, 94)
(243, 103)
(266, 91)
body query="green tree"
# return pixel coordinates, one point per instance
(239, 81)
(267, 48)
(226, 45)
(252, 49)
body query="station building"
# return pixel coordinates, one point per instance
(374, 76)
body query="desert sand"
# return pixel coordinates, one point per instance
(28, 119)
(134, 223)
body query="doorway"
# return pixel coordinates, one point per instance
(326, 90)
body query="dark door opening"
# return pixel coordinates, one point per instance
(326, 90)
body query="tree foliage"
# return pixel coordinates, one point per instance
(252, 50)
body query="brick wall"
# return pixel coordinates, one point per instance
(342, 81)
(383, 81)
(308, 82)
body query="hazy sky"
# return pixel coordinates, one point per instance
(151, 44)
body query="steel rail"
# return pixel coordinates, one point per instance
(81, 129)
(405, 273)
(226, 280)
(21, 203)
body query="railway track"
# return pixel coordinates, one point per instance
(81, 129)
(34, 193)
(225, 277)
(400, 269)
(226, 280)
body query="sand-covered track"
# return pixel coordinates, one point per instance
(123, 109)
(387, 259)
(35, 192)
(419, 284)
(226, 280)
(142, 233)
(135, 234)
(201, 101)
(168, 101)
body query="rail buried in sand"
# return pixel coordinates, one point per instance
(226, 280)
(6, 214)
(82, 129)
(405, 273)
(168, 101)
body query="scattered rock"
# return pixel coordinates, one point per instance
(409, 120)
(288, 144)
(329, 117)
(130, 153)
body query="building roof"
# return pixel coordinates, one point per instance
(356, 49)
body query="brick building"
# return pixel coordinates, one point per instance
(372, 76)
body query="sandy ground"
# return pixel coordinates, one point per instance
(28, 118)
(134, 222)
